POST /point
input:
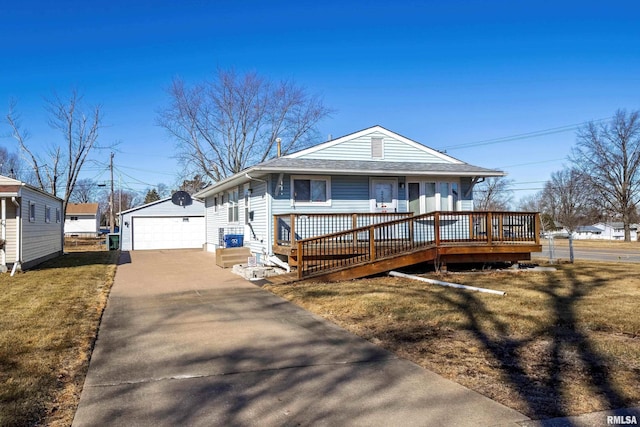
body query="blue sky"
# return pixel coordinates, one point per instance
(470, 77)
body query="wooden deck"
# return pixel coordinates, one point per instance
(439, 237)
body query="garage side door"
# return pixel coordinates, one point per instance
(167, 232)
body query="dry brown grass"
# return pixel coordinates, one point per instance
(48, 322)
(85, 244)
(599, 244)
(560, 343)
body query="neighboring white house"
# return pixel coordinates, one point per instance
(30, 225)
(163, 225)
(373, 170)
(587, 232)
(82, 219)
(605, 231)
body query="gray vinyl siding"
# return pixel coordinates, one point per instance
(256, 232)
(348, 194)
(360, 149)
(211, 231)
(40, 239)
(164, 208)
(466, 200)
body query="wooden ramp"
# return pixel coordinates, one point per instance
(441, 238)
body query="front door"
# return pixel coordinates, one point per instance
(384, 195)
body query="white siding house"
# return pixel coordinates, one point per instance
(82, 219)
(605, 231)
(373, 170)
(163, 225)
(30, 225)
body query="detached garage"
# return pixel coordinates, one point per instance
(165, 224)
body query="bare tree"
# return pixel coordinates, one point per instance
(535, 203)
(568, 199)
(194, 185)
(57, 172)
(225, 125)
(10, 164)
(123, 200)
(493, 194)
(608, 154)
(163, 190)
(84, 191)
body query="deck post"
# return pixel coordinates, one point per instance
(292, 218)
(538, 227)
(436, 228)
(489, 228)
(276, 232)
(354, 220)
(300, 260)
(411, 230)
(372, 243)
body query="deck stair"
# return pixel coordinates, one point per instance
(228, 257)
(439, 237)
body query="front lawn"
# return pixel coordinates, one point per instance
(49, 318)
(559, 343)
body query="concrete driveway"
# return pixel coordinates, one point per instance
(184, 342)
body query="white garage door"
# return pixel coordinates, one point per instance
(168, 232)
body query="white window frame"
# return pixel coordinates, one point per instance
(233, 208)
(32, 211)
(325, 178)
(58, 216)
(47, 214)
(453, 201)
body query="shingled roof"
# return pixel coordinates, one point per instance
(82, 209)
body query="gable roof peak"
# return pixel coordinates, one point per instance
(370, 130)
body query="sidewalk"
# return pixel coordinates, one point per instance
(183, 342)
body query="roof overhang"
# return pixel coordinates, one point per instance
(10, 190)
(260, 171)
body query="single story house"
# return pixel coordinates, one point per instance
(30, 225)
(82, 219)
(605, 231)
(372, 170)
(163, 224)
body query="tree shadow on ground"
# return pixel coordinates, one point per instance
(181, 359)
(543, 391)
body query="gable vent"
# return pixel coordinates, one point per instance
(376, 147)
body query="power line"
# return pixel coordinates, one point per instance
(521, 136)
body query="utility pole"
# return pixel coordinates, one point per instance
(111, 216)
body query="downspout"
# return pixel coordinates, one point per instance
(3, 236)
(17, 262)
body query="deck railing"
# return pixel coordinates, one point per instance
(289, 228)
(379, 240)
